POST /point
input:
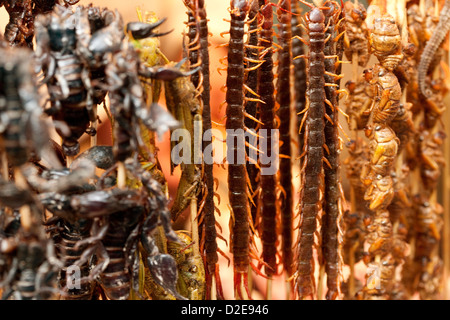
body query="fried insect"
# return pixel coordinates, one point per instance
(237, 184)
(331, 220)
(30, 265)
(312, 170)
(66, 77)
(20, 30)
(428, 229)
(359, 101)
(22, 129)
(127, 101)
(385, 44)
(356, 33)
(267, 205)
(431, 158)
(182, 103)
(251, 102)
(126, 219)
(432, 46)
(283, 98)
(191, 281)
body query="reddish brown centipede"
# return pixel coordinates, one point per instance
(267, 200)
(312, 175)
(283, 98)
(198, 24)
(332, 196)
(237, 173)
(251, 105)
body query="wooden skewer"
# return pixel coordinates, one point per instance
(121, 175)
(213, 288)
(269, 289)
(194, 226)
(320, 284)
(351, 279)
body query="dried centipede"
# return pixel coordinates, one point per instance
(432, 45)
(312, 170)
(267, 205)
(331, 220)
(356, 34)
(251, 104)
(283, 98)
(237, 184)
(298, 49)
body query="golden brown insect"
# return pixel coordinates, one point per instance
(359, 101)
(356, 33)
(377, 175)
(379, 278)
(383, 150)
(358, 157)
(183, 104)
(428, 229)
(191, 280)
(385, 42)
(434, 104)
(387, 95)
(432, 158)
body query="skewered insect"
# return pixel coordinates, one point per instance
(283, 97)
(331, 220)
(267, 205)
(66, 77)
(237, 184)
(312, 170)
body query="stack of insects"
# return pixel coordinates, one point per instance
(103, 226)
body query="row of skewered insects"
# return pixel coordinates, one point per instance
(71, 232)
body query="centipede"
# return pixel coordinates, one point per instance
(283, 98)
(432, 45)
(331, 230)
(312, 170)
(251, 104)
(237, 173)
(266, 90)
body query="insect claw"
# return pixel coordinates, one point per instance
(301, 39)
